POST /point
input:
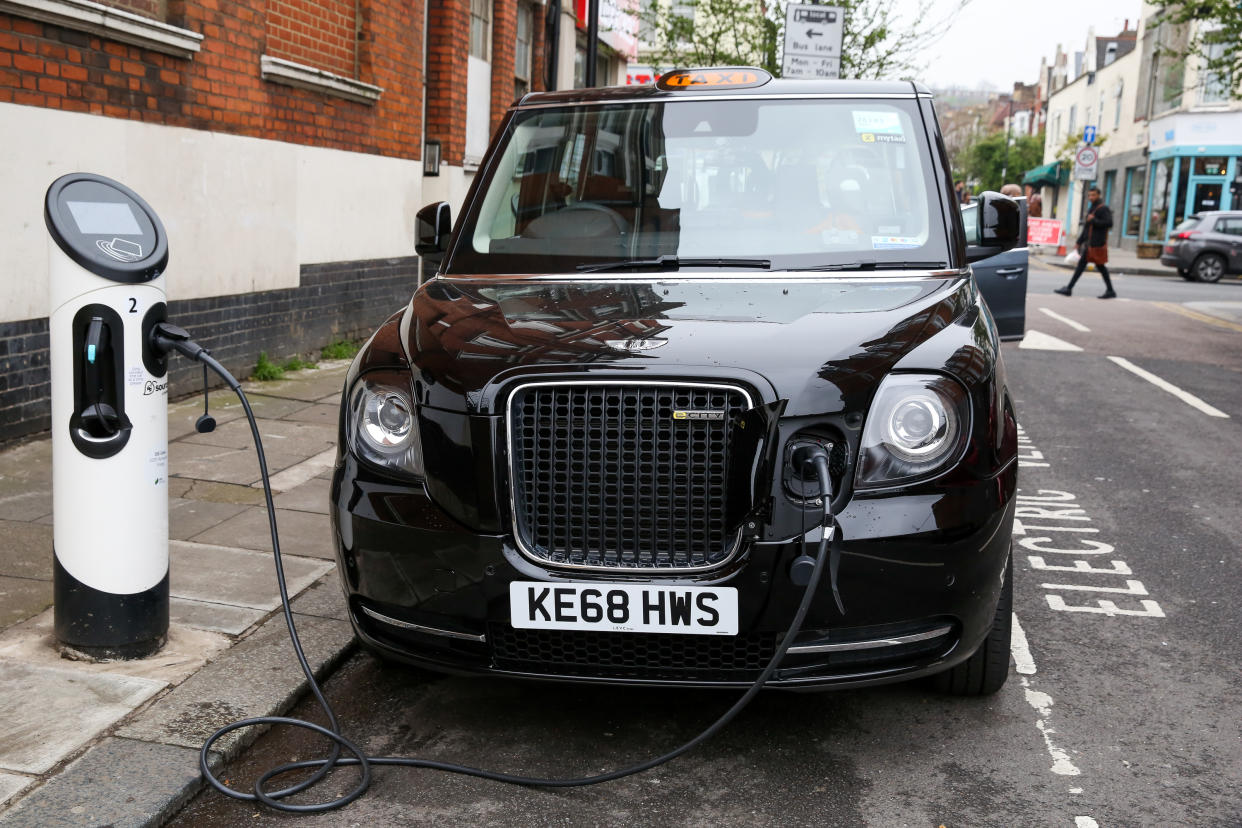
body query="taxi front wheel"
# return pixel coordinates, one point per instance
(985, 672)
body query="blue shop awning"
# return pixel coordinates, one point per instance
(1048, 175)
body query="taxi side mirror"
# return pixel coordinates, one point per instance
(433, 226)
(996, 228)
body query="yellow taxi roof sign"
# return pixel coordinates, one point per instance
(718, 77)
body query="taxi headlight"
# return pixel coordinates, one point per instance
(383, 425)
(916, 426)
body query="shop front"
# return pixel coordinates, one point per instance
(1194, 157)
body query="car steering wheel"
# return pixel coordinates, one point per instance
(617, 218)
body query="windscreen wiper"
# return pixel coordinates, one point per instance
(878, 266)
(675, 263)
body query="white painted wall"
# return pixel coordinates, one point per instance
(241, 213)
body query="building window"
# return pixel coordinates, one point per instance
(1214, 86)
(523, 50)
(1136, 177)
(1117, 95)
(1157, 219)
(1073, 118)
(481, 29)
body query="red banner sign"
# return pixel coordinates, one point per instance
(1043, 231)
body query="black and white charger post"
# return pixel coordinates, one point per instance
(107, 257)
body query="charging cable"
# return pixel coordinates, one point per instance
(165, 338)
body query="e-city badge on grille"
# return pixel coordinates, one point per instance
(623, 608)
(698, 415)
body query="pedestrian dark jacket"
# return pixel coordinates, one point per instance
(1095, 226)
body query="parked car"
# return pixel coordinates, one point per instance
(571, 456)
(1206, 246)
(1002, 277)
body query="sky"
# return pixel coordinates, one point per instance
(993, 43)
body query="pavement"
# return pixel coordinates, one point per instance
(117, 743)
(1120, 261)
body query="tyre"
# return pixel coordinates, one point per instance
(1186, 274)
(985, 672)
(1209, 267)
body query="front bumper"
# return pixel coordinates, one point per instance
(920, 578)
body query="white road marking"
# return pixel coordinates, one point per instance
(1184, 396)
(1078, 326)
(1022, 659)
(1085, 821)
(1039, 341)
(1042, 703)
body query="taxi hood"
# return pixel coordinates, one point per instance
(815, 342)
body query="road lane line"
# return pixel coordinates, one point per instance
(1022, 659)
(1085, 822)
(1184, 396)
(1200, 317)
(1078, 326)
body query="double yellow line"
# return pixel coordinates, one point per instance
(1202, 317)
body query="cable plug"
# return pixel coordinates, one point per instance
(166, 337)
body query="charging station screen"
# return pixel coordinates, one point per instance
(96, 218)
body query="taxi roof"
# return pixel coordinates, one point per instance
(777, 87)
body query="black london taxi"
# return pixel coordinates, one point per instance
(570, 456)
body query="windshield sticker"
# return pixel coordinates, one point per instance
(895, 242)
(878, 127)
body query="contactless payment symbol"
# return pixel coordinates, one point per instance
(122, 250)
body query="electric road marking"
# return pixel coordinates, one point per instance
(1078, 326)
(1184, 396)
(1048, 511)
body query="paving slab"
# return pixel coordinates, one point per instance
(22, 598)
(225, 465)
(29, 462)
(187, 518)
(241, 577)
(307, 385)
(23, 499)
(325, 599)
(12, 784)
(217, 492)
(206, 615)
(299, 473)
(259, 677)
(301, 533)
(323, 413)
(26, 550)
(187, 649)
(118, 783)
(267, 407)
(183, 415)
(311, 496)
(73, 707)
(277, 435)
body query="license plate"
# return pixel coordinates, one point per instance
(537, 605)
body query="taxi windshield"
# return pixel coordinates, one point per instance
(759, 183)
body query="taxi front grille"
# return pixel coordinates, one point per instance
(623, 476)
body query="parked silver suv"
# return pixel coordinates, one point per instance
(1206, 246)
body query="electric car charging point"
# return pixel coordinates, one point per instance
(108, 252)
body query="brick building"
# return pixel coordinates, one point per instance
(282, 142)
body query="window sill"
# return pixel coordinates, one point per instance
(113, 24)
(289, 73)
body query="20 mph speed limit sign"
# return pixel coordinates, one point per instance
(1086, 163)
